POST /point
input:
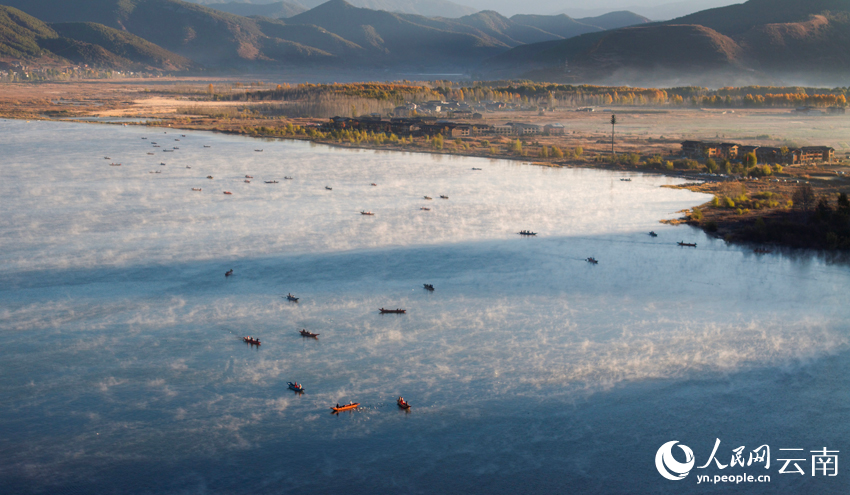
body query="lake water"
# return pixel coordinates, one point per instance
(529, 369)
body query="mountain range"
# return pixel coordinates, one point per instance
(23, 37)
(333, 34)
(429, 8)
(755, 42)
(275, 10)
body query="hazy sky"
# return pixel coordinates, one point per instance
(654, 9)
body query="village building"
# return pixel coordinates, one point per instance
(504, 130)
(767, 154)
(523, 129)
(554, 129)
(814, 154)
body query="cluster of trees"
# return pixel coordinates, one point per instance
(820, 223)
(771, 100)
(392, 93)
(742, 203)
(69, 74)
(551, 95)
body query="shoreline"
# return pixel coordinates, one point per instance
(715, 221)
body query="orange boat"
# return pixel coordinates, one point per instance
(227, 192)
(345, 407)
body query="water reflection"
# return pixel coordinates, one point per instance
(524, 356)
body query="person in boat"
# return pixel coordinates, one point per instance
(337, 405)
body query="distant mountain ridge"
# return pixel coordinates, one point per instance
(429, 8)
(276, 10)
(759, 40)
(24, 37)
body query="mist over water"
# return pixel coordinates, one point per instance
(529, 370)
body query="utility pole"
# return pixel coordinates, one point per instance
(613, 123)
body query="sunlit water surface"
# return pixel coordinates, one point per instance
(529, 369)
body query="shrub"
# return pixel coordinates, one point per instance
(556, 152)
(485, 144)
(579, 151)
(696, 214)
(711, 165)
(727, 202)
(715, 202)
(669, 165)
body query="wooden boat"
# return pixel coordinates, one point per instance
(290, 297)
(187, 166)
(175, 148)
(429, 287)
(259, 151)
(227, 192)
(162, 163)
(364, 212)
(270, 181)
(443, 197)
(206, 146)
(402, 403)
(329, 188)
(374, 184)
(652, 233)
(107, 158)
(209, 177)
(228, 272)
(144, 138)
(158, 172)
(426, 209)
(168, 151)
(687, 244)
(428, 197)
(150, 153)
(250, 341)
(627, 180)
(247, 181)
(305, 333)
(345, 407)
(473, 168)
(114, 164)
(394, 311)
(592, 260)
(761, 251)
(526, 232)
(177, 140)
(295, 386)
(196, 188)
(288, 178)
(249, 176)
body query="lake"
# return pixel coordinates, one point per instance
(529, 370)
